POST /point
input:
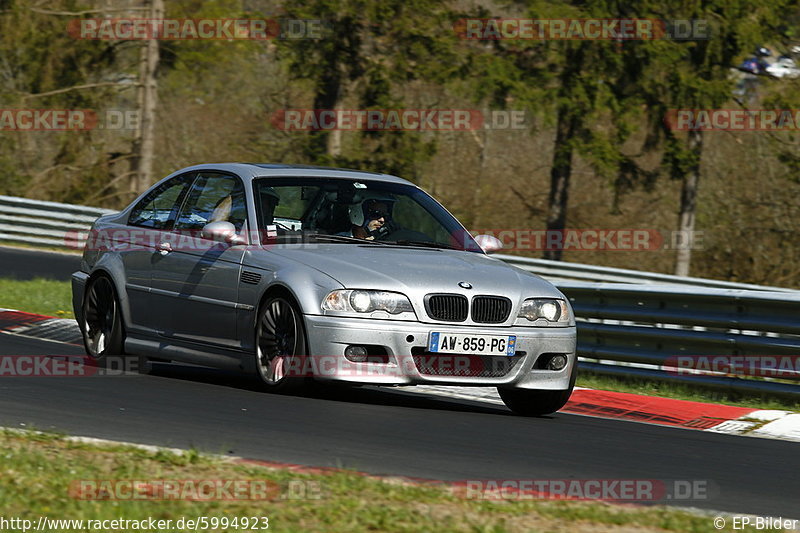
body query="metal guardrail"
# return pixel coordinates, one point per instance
(46, 223)
(65, 225)
(561, 271)
(656, 332)
(630, 322)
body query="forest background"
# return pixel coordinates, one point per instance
(595, 150)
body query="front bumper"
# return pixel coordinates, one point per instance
(328, 336)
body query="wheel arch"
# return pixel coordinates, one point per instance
(274, 290)
(94, 276)
(119, 289)
(278, 289)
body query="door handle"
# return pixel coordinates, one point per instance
(163, 248)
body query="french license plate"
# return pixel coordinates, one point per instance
(442, 342)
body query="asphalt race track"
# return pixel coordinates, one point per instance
(22, 264)
(387, 431)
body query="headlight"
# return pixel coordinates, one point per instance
(363, 301)
(552, 310)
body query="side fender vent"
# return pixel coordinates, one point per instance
(250, 277)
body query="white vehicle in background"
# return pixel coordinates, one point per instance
(784, 67)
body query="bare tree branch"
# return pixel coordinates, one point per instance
(86, 12)
(81, 87)
(534, 211)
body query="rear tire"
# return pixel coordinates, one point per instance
(533, 402)
(102, 329)
(280, 346)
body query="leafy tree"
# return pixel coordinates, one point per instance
(585, 89)
(369, 51)
(695, 74)
(43, 67)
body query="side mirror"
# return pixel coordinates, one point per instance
(222, 231)
(489, 243)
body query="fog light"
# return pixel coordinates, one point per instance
(557, 362)
(356, 354)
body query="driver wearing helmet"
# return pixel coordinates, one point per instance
(370, 220)
(268, 200)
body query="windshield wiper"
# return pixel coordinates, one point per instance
(426, 244)
(343, 238)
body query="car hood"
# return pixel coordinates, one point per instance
(414, 270)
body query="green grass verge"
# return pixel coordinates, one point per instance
(42, 296)
(39, 469)
(683, 392)
(41, 248)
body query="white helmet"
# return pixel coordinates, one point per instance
(367, 210)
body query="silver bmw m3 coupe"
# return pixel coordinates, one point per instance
(300, 273)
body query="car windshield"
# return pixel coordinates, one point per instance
(330, 210)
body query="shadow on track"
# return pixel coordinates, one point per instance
(372, 395)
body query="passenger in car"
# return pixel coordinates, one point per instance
(222, 210)
(231, 209)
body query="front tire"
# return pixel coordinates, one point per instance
(102, 320)
(280, 346)
(533, 402)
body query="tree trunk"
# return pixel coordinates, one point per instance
(560, 173)
(147, 99)
(340, 89)
(325, 146)
(477, 192)
(688, 207)
(334, 144)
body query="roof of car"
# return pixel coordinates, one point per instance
(258, 170)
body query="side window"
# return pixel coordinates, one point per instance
(158, 208)
(213, 197)
(293, 203)
(283, 205)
